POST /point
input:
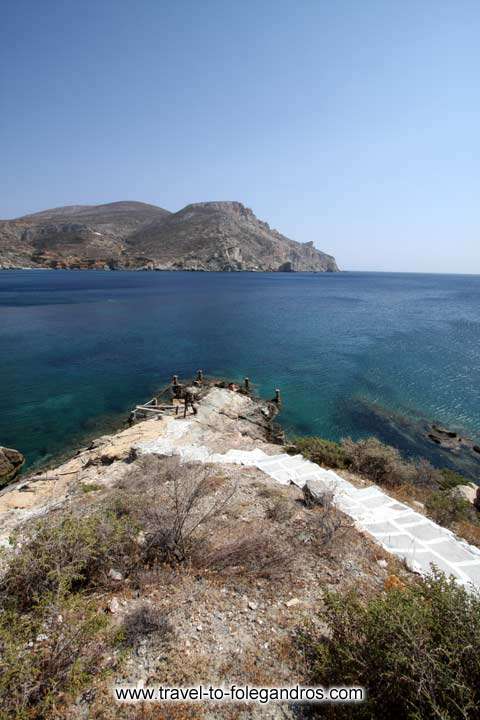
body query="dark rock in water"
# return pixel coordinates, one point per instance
(451, 441)
(11, 461)
(443, 431)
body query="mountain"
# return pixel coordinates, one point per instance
(222, 236)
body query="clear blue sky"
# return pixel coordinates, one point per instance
(352, 124)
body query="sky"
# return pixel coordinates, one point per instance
(355, 124)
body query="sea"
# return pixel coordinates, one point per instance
(353, 353)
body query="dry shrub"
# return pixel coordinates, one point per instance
(149, 472)
(381, 463)
(269, 492)
(257, 554)
(280, 510)
(173, 521)
(426, 475)
(329, 524)
(469, 531)
(172, 502)
(144, 621)
(325, 523)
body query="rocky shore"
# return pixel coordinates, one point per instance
(11, 463)
(230, 420)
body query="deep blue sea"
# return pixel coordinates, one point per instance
(353, 353)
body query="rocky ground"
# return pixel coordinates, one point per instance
(259, 570)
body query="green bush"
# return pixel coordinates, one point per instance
(67, 554)
(381, 463)
(448, 479)
(48, 656)
(415, 650)
(322, 452)
(446, 508)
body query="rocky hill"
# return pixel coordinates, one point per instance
(211, 236)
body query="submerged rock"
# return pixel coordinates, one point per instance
(11, 462)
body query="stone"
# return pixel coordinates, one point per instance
(315, 493)
(468, 492)
(115, 575)
(382, 563)
(11, 462)
(252, 605)
(291, 603)
(141, 538)
(114, 605)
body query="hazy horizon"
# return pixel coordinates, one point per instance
(352, 125)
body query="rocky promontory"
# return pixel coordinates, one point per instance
(207, 236)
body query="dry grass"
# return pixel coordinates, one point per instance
(256, 555)
(468, 531)
(144, 621)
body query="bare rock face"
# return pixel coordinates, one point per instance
(225, 236)
(11, 462)
(467, 492)
(209, 236)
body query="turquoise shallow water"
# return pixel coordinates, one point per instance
(353, 353)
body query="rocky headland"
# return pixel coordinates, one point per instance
(207, 236)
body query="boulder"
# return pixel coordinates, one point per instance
(11, 461)
(316, 492)
(468, 492)
(115, 574)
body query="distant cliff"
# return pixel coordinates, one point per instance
(210, 236)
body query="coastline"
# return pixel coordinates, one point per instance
(246, 419)
(224, 425)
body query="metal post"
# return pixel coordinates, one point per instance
(200, 375)
(175, 380)
(247, 384)
(277, 396)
